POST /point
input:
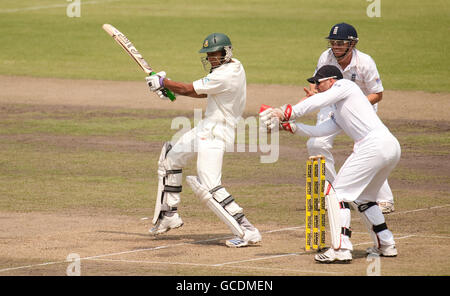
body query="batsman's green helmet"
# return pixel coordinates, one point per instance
(215, 42)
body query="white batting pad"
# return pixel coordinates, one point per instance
(224, 213)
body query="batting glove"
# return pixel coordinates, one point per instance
(156, 81)
(162, 94)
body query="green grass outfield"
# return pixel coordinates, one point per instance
(279, 42)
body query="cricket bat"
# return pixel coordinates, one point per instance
(126, 44)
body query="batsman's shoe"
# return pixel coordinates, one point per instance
(383, 250)
(386, 207)
(251, 237)
(166, 223)
(334, 256)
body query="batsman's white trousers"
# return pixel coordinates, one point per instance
(208, 140)
(323, 146)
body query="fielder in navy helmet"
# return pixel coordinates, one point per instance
(342, 39)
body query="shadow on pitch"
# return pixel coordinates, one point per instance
(200, 239)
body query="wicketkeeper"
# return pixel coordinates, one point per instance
(375, 154)
(225, 90)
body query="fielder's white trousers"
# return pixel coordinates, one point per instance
(363, 174)
(323, 146)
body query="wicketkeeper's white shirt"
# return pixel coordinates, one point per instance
(226, 89)
(351, 112)
(376, 150)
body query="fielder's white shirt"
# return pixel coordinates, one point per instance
(362, 70)
(351, 112)
(226, 89)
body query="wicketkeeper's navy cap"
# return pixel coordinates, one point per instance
(326, 72)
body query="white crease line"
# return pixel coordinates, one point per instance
(30, 266)
(233, 263)
(419, 210)
(214, 265)
(111, 254)
(395, 238)
(404, 234)
(293, 254)
(180, 244)
(31, 8)
(259, 259)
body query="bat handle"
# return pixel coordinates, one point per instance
(166, 91)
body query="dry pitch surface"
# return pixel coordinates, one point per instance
(37, 243)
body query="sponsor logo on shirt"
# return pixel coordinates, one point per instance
(332, 115)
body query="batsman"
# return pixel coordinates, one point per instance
(224, 87)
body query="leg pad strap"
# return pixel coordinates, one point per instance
(346, 231)
(380, 227)
(364, 207)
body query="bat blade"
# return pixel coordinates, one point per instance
(126, 44)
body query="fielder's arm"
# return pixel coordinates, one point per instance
(309, 92)
(312, 89)
(184, 89)
(375, 98)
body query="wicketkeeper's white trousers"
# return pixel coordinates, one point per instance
(363, 174)
(323, 146)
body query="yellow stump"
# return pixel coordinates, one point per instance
(315, 198)
(315, 203)
(308, 206)
(322, 203)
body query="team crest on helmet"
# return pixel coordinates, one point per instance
(335, 30)
(205, 44)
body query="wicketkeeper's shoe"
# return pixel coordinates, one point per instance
(166, 223)
(386, 207)
(251, 237)
(334, 256)
(383, 250)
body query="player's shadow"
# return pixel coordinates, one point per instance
(210, 239)
(358, 254)
(123, 232)
(200, 239)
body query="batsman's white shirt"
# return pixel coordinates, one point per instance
(376, 150)
(225, 88)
